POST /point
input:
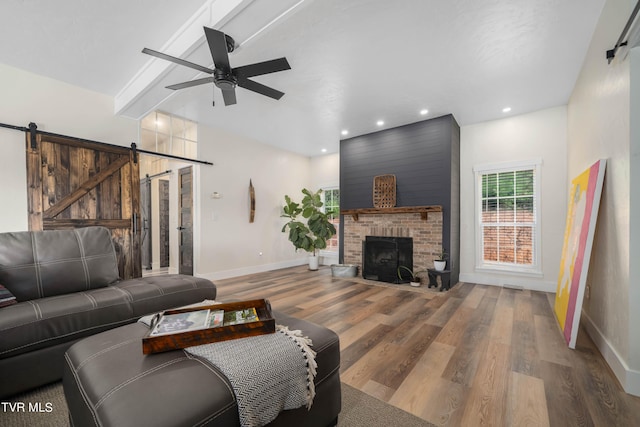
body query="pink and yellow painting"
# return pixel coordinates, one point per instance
(584, 201)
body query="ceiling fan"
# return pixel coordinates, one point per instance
(223, 76)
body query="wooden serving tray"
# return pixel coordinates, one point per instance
(265, 325)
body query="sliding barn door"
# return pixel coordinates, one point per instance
(146, 245)
(73, 183)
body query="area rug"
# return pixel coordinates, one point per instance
(361, 410)
(49, 408)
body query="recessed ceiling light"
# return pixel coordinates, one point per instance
(380, 122)
(424, 112)
(344, 132)
(506, 109)
(324, 150)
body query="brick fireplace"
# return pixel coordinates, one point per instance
(424, 225)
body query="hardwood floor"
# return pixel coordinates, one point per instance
(476, 355)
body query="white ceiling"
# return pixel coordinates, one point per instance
(353, 61)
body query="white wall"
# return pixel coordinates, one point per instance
(325, 171)
(633, 381)
(230, 245)
(55, 107)
(599, 127)
(538, 135)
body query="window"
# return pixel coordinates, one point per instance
(332, 203)
(168, 134)
(508, 224)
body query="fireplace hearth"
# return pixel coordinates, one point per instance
(382, 255)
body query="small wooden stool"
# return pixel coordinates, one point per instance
(445, 278)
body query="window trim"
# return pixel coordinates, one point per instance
(327, 252)
(492, 266)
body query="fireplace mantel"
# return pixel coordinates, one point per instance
(422, 210)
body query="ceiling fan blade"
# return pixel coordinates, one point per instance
(191, 83)
(260, 88)
(260, 68)
(229, 96)
(218, 46)
(177, 60)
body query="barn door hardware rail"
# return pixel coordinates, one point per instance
(611, 53)
(32, 130)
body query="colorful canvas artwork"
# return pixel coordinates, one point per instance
(585, 194)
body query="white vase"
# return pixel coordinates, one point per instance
(313, 262)
(439, 265)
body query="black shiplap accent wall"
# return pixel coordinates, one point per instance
(424, 157)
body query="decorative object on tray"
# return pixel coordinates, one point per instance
(384, 191)
(314, 234)
(252, 201)
(240, 319)
(180, 322)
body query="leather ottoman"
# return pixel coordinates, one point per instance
(109, 382)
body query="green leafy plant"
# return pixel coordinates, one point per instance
(309, 227)
(415, 275)
(442, 255)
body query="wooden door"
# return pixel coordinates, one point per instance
(185, 206)
(145, 222)
(163, 222)
(73, 183)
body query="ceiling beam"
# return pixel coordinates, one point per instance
(243, 19)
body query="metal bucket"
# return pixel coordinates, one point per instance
(344, 270)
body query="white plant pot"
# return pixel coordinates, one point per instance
(415, 284)
(440, 265)
(313, 262)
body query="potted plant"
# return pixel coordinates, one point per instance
(440, 263)
(414, 275)
(309, 227)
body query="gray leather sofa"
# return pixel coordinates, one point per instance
(67, 287)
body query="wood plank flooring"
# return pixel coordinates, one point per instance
(474, 356)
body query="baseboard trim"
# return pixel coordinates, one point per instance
(629, 379)
(243, 271)
(509, 281)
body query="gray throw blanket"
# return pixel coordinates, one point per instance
(268, 373)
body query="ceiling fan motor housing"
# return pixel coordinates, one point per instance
(224, 80)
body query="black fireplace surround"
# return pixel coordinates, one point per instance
(383, 255)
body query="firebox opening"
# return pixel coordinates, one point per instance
(383, 255)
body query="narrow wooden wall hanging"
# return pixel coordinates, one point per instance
(252, 201)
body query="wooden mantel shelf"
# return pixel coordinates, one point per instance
(422, 210)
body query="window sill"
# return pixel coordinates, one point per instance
(529, 272)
